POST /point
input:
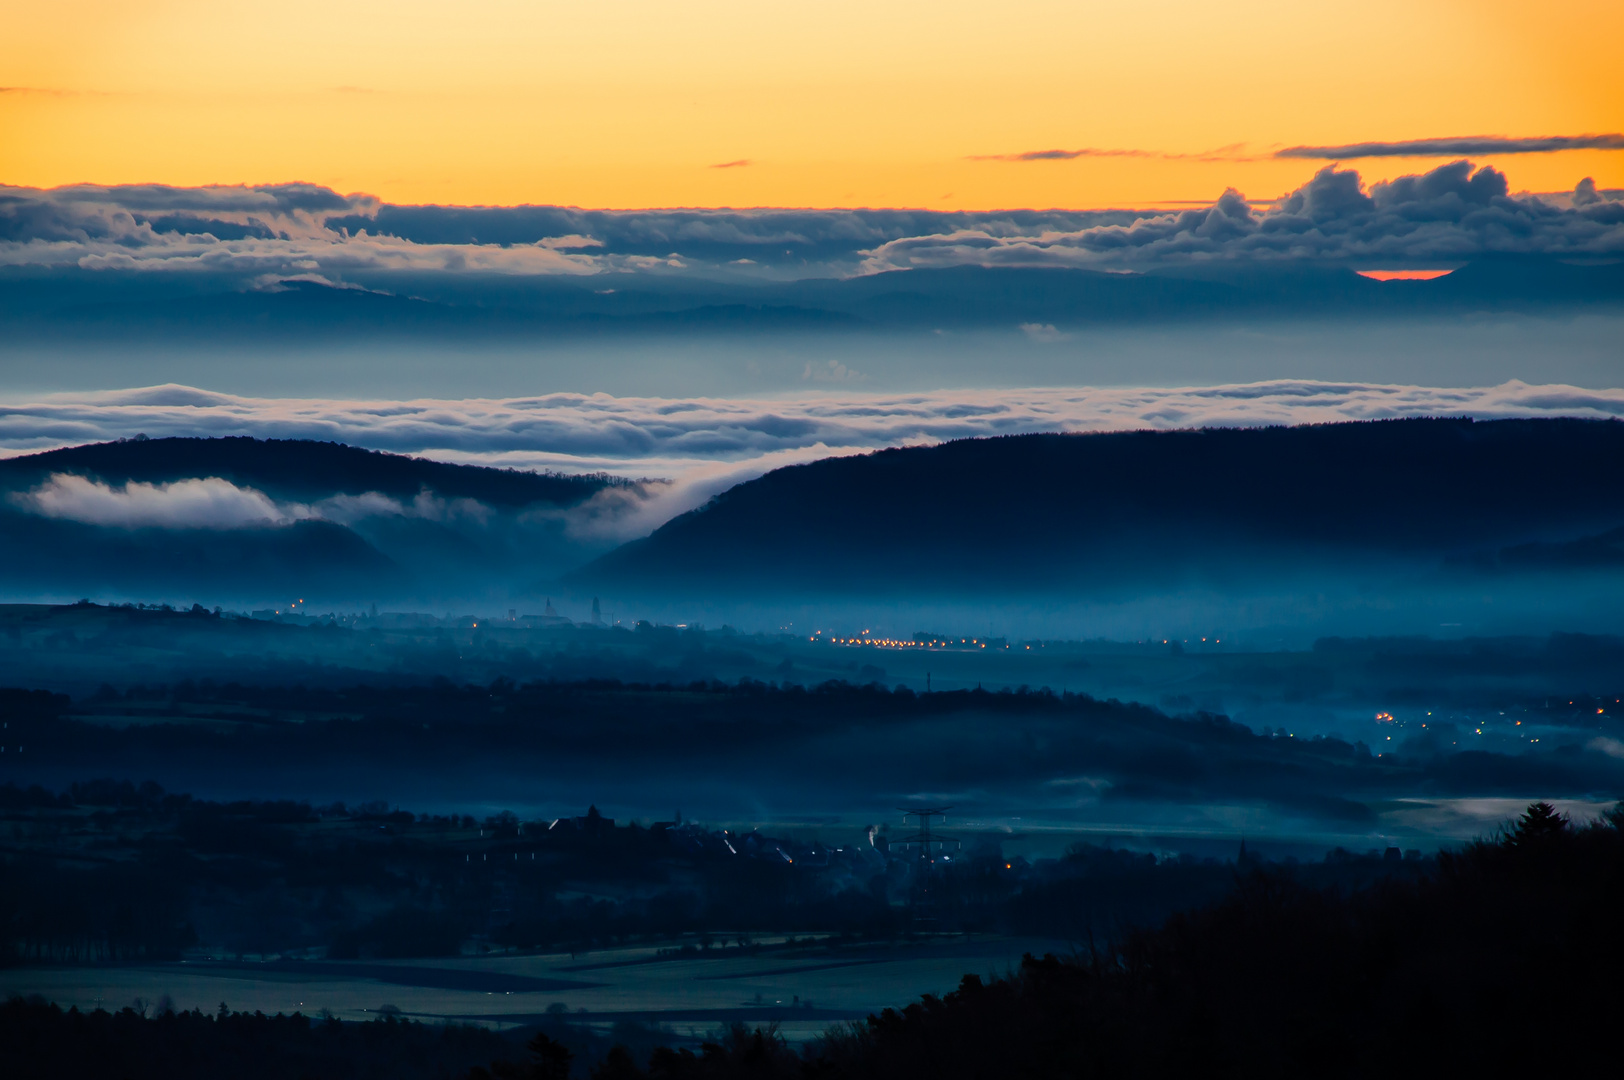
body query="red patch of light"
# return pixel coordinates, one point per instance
(1402, 275)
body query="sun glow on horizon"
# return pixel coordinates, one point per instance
(1404, 275)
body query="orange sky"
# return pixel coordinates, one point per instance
(630, 103)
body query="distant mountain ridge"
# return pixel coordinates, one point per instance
(1117, 511)
(76, 307)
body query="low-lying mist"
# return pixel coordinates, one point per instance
(1373, 737)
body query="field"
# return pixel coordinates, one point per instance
(803, 985)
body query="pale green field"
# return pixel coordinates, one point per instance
(690, 994)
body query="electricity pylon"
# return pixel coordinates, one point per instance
(924, 908)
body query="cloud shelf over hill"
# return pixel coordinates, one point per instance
(705, 445)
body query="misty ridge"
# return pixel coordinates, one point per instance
(1423, 511)
(831, 749)
(1165, 626)
(86, 649)
(245, 518)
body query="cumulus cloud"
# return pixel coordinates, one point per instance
(302, 228)
(136, 214)
(252, 258)
(1456, 146)
(1452, 212)
(245, 235)
(244, 232)
(207, 503)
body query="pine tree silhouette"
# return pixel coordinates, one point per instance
(1538, 823)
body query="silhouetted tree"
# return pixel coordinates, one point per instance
(618, 1065)
(1537, 825)
(552, 1058)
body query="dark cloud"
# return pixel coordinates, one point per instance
(1067, 155)
(1454, 147)
(242, 234)
(247, 234)
(739, 164)
(1223, 153)
(809, 242)
(1452, 212)
(132, 214)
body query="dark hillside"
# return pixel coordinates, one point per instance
(642, 746)
(299, 469)
(42, 1040)
(373, 550)
(44, 554)
(1504, 963)
(1501, 960)
(1033, 512)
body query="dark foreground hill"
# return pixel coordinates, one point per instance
(1502, 963)
(1109, 513)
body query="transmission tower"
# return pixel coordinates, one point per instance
(924, 907)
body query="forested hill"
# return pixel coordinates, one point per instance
(299, 469)
(304, 518)
(1037, 512)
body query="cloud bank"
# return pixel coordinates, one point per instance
(701, 445)
(1451, 212)
(264, 234)
(259, 237)
(205, 503)
(691, 449)
(215, 503)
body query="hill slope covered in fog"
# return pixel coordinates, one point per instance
(298, 469)
(249, 519)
